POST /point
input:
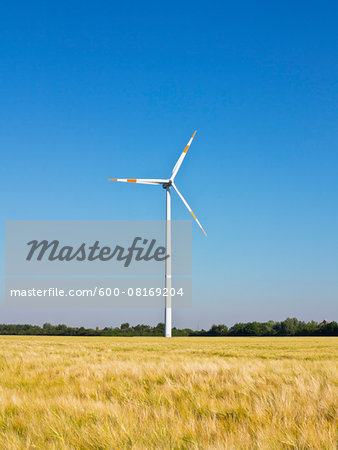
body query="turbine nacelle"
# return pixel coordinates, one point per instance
(167, 185)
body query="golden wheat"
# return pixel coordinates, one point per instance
(153, 393)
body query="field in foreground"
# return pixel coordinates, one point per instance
(153, 393)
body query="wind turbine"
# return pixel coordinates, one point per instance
(167, 184)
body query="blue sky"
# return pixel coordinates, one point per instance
(93, 90)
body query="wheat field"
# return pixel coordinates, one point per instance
(155, 393)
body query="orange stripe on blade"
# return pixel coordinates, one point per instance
(186, 149)
(193, 215)
(131, 181)
(112, 179)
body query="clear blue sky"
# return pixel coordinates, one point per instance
(92, 90)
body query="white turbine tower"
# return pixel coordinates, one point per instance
(167, 184)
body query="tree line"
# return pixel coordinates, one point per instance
(288, 327)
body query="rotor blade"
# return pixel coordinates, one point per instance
(189, 209)
(139, 180)
(181, 158)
